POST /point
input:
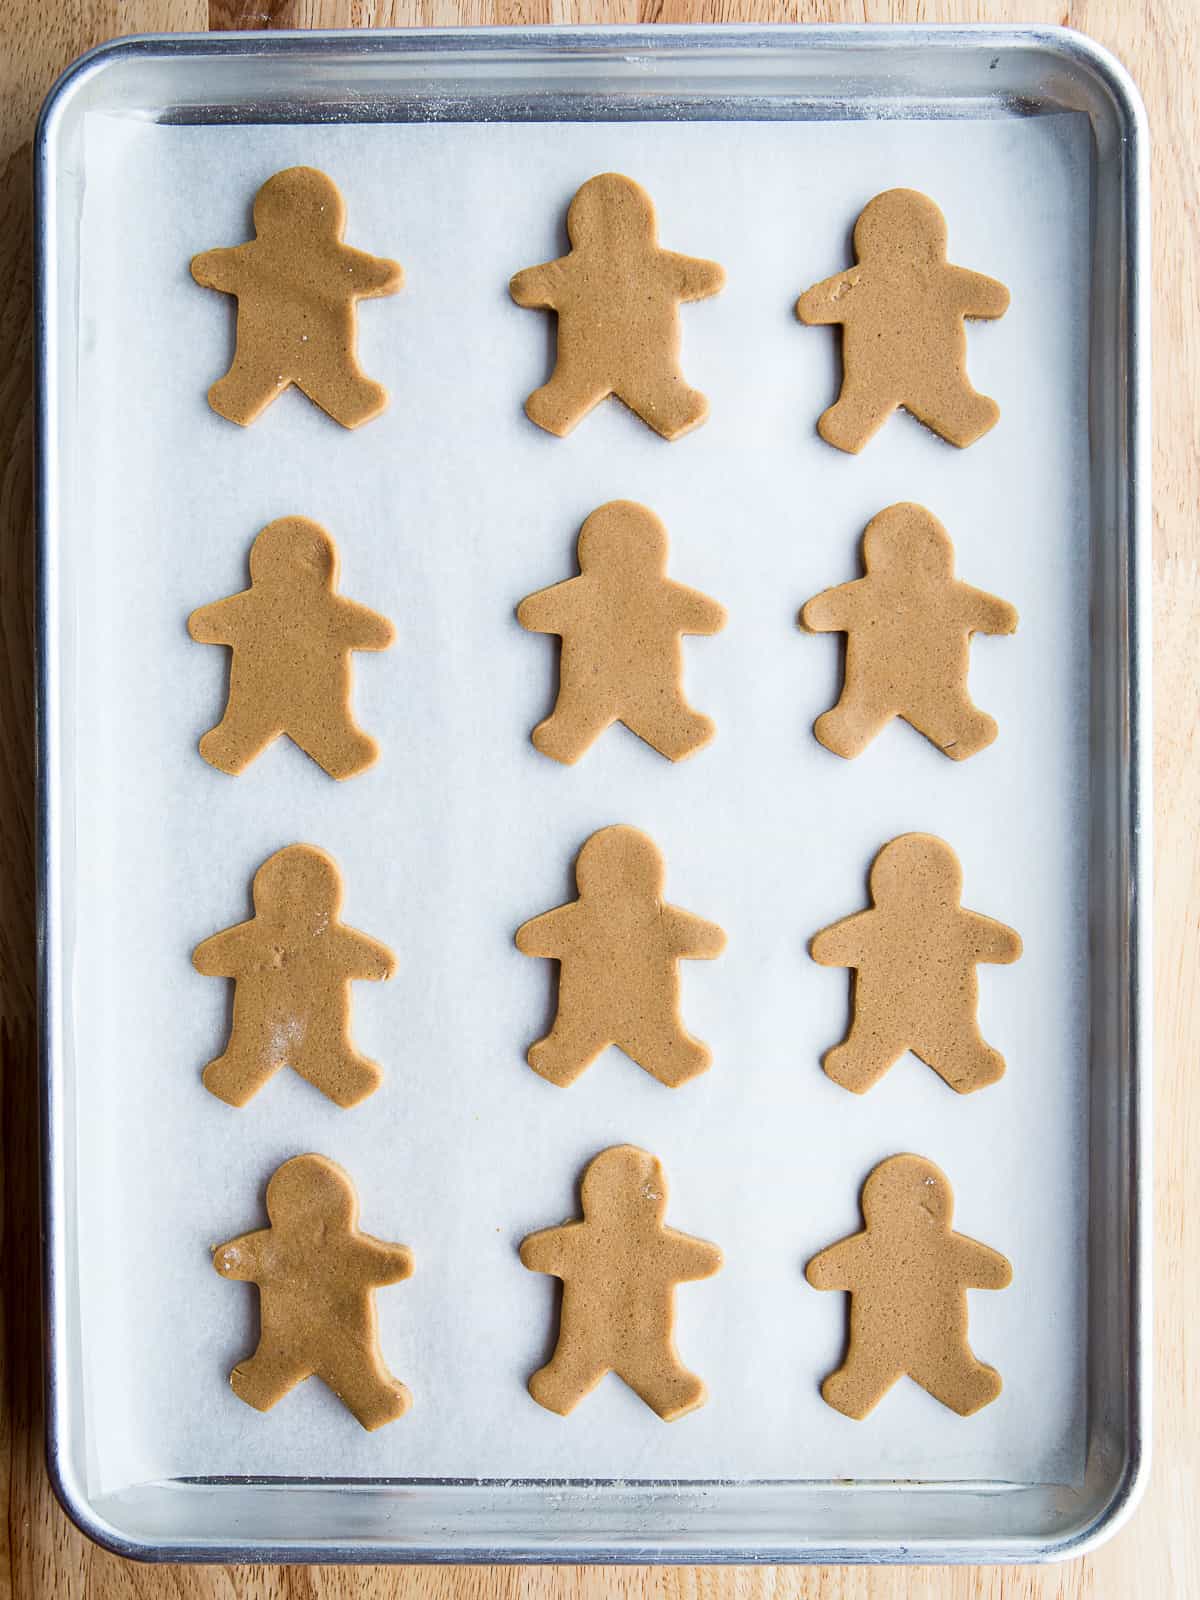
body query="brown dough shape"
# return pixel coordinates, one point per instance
(914, 956)
(297, 286)
(316, 1276)
(292, 964)
(901, 309)
(617, 296)
(291, 635)
(619, 947)
(908, 1275)
(619, 1268)
(621, 623)
(908, 626)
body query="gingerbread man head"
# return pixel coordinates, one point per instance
(293, 550)
(620, 861)
(916, 868)
(609, 213)
(900, 1186)
(300, 198)
(308, 1195)
(901, 227)
(300, 887)
(906, 541)
(626, 1201)
(622, 538)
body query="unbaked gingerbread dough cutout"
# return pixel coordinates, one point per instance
(617, 295)
(621, 622)
(292, 965)
(316, 1275)
(618, 947)
(907, 1275)
(908, 626)
(901, 308)
(291, 635)
(914, 955)
(297, 287)
(619, 1268)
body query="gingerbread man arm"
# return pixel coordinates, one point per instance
(550, 610)
(383, 1263)
(842, 943)
(695, 279)
(551, 1249)
(241, 1257)
(978, 1266)
(690, 937)
(985, 613)
(360, 628)
(363, 956)
(693, 612)
(834, 610)
(991, 940)
(370, 275)
(546, 935)
(223, 954)
(685, 1258)
(222, 622)
(822, 303)
(977, 295)
(538, 288)
(836, 1267)
(224, 269)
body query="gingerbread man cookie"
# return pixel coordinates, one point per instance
(617, 296)
(621, 623)
(292, 964)
(908, 626)
(901, 309)
(619, 947)
(907, 1275)
(619, 1268)
(914, 956)
(297, 286)
(316, 1276)
(291, 635)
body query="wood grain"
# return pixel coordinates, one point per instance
(1158, 1554)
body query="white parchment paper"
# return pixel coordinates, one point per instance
(447, 510)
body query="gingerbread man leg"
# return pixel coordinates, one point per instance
(242, 734)
(860, 715)
(330, 1063)
(858, 413)
(563, 402)
(563, 1382)
(373, 1397)
(667, 722)
(859, 1384)
(952, 1375)
(573, 726)
(238, 1075)
(965, 1064)
(566, 1051)
(863, 1056)
(667, 1053)
(335, 742)
(955, 725)
(948, 404)
(665, 402)
(266, 1376)
(246, 390)
(670, 1389)
(345, 394)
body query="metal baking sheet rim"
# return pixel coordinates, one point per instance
(1107, 79)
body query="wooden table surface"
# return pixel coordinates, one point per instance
(1158, 1554)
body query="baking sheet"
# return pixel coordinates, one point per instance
(447, 510)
